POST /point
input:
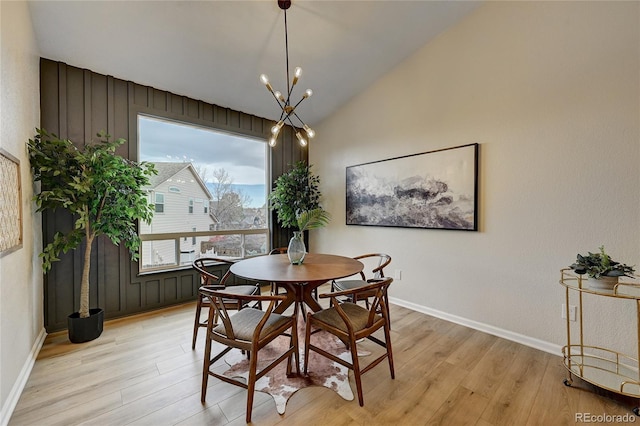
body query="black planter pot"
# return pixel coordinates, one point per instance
(85, 329)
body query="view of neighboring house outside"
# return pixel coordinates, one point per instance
(209, 194)
(181, 206)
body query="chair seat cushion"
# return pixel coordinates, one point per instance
(248, 290)
(237, 289)
(245, 321)
(349, 284)
(356, 313)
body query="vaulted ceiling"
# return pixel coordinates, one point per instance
(216, 50)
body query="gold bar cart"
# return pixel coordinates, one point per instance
(602, 367)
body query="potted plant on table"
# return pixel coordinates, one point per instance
(296, 200)
(103, 191)
(604, 270)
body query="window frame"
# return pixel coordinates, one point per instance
(177, 237)
(156, 204)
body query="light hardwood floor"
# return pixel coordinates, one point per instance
(142, 371)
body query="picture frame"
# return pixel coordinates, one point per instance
(430, 190)
(10, 203)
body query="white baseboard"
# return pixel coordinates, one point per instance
(21, 382)
(542, 345)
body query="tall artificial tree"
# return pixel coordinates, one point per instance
(102, 190)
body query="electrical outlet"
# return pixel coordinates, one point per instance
(572, 312)
(398, 275)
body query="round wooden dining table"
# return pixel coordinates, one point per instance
(299, 280)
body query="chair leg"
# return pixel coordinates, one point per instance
(386, 303)
(307, 340)
(356, 369)
(205, 369)
(196, 324)
(296, 344)
(387, 340)
(333, 288)
(295, 355)
(251, 382)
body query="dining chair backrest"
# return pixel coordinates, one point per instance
(376, 290)
(374, 264)
(206, 277)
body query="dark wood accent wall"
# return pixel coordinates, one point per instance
(76, 104)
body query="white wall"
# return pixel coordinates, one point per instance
(550, 91)
(21, 295)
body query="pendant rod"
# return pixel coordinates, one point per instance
(286, 48)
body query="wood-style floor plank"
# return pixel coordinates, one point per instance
(142, 371)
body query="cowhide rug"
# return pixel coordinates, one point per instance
(321, 372)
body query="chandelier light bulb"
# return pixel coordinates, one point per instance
(310, 132)
(276, 128)
(307, 93)
(296, 75)
(279, 95)
(303, 141)
(272, 141)
(265, 80)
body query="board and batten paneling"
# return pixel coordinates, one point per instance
(77, 104)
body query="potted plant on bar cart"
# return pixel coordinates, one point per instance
(601, 268)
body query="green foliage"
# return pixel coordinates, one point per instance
(102, 190)
(313, 219)
(600, 264)
(295, 192)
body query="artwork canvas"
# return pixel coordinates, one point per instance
(10, 204)
(434, 190)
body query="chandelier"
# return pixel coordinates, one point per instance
(285, 104)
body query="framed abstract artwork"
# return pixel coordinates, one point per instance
(10, 203)
(432, 190)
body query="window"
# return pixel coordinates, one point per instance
(159, 202)
(225, 172)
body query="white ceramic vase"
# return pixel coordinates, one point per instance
(603, 283)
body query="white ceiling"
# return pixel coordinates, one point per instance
(215, 50)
